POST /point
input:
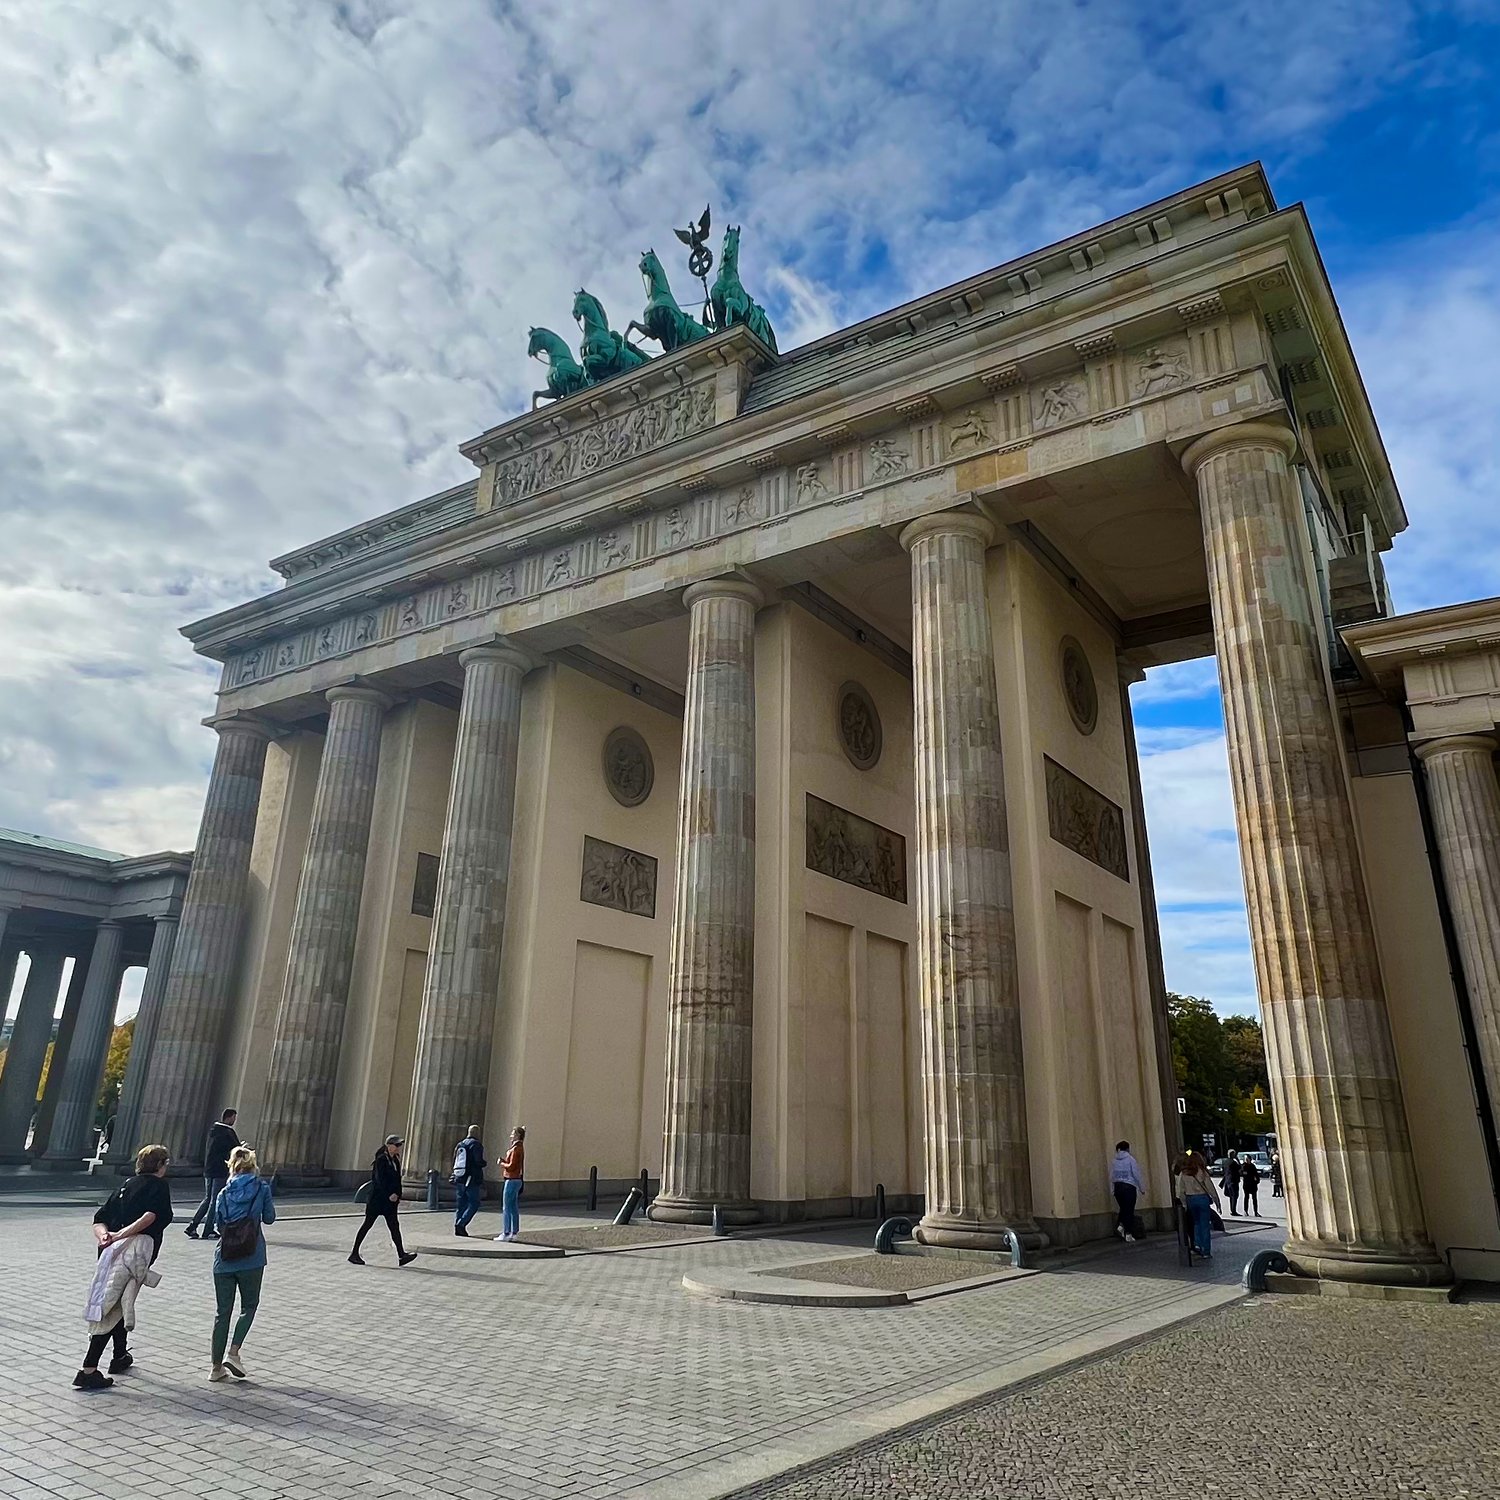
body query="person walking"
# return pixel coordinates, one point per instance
(1276, 1174)
(1232, 1182)
(513, 1176)
(1125, 1181)
(1197, 1191)
(1250, 1187)
(128, 1227)
(384, 1200)
(243, 1208)
(468, 1177)
(221, 1140)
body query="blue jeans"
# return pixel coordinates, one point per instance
(1197, 1210)
(510, 1207)
(212, 1187)
(470, 1195)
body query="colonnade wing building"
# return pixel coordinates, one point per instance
(736, 779)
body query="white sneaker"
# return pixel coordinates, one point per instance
(218, 1373)
(1130, 1239)
(234, 1362)
(1120, 1231)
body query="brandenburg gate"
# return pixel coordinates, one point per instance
(735, 777)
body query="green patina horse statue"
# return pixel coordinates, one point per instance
(664, 320)
(564, 374)
(604, 351)
(729, 300)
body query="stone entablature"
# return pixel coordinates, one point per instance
(1444, 662)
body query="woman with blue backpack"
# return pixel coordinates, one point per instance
(244, 1206)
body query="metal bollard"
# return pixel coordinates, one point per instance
(645, 1189)
(432, 1189)
(718, 1222)
(628, 1207)
(1253, 1278)
(880, 1203)
(593, 1198)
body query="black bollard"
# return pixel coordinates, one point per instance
(718, 1222)
(593, 1198)
(645, 1189)
(628, 1207)
(432, 1189)
(880, 1203)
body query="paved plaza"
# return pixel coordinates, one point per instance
(590, 1375)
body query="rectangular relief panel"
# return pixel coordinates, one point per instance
(1075, 981)
(1085, 821)
(619, 878)
(846, 847)
(891, 1098)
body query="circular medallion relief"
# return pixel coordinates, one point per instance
(628, 770)
(1079, 691)
(859, 726)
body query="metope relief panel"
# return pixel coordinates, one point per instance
(847, 847)
(1085, 821)
(1159, 369)
(619, 878)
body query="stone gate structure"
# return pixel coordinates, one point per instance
(736, 778)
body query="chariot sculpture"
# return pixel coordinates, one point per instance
(604, 353)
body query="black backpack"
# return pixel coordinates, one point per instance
(239, 1237)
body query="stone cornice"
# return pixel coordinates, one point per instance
(1384, 648)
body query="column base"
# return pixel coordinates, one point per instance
(944, 1232)
(692, 1211)
(50, 1163)
(1344, 1263)
(297, 1179)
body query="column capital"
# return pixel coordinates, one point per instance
(1480, 744)
(496, 651)
(110, 924)
(1237, 435)
(358, 692)
(167, 916)
(241, 723)
(948, 523)
(723, 588)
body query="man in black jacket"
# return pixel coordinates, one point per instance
(384, 1199)
(216, 1148)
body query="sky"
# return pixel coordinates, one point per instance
(264, 265)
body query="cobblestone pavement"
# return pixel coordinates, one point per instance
(1335, 1400)
(896, 1273)
(588, 1376)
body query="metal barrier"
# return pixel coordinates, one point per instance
(1017, 1255)
(888, 1231)
(432, 1189)
(880, 1203)
(1253, 1278)
(628, 1207)
(593, 1198)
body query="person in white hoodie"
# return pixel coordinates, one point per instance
(1126, 1182)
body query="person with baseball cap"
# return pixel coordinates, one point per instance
(384, 1200)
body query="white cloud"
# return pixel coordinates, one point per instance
(266, 265)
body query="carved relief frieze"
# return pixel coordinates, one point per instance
(970, 431)
(844, 846)
(811, 484)
(619, 878)
(740, 506)
(890, 458)
(608, 441)
(1085, 821)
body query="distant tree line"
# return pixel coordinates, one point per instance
(1220, 1063)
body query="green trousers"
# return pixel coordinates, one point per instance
(226, 1283)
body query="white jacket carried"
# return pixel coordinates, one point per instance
(123, 1269)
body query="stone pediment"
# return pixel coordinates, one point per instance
(671, 398)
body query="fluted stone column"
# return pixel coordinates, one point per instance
(706, 1149)
(1465, 797)
(1353, 1207)
(123, 1144)
(62, 1043)
(28, 1050)
(463, 974)
(978, 1168)
(310, 1022)
(69, 1138)
(176, 1098)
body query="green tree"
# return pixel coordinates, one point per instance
(1221, 1071)
(114, 1071)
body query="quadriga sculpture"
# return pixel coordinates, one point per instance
(564, 374)
(604, 351)
(663, 320)
(728, 300)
